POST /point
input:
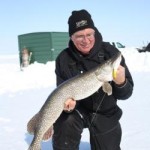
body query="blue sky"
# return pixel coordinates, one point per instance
(126, 21)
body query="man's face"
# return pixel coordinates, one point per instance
(84, 40)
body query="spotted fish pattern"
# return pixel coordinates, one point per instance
(78, 88)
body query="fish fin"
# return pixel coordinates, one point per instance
(48, 134)
(107, 88)
(32, 124)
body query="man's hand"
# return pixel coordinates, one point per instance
(69, 105)
(120, 75)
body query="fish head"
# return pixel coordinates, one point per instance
(116, 60)
(105, 72)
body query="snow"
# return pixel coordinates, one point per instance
(22, 93)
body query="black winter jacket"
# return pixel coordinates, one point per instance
(70, 62)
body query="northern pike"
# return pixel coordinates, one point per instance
(77, 88)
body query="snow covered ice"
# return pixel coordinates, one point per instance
(22, 93)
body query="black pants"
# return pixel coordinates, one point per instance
(68, 129)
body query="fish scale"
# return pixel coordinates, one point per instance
(77, 88)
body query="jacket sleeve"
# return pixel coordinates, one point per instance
(58, 71)
(124, 91)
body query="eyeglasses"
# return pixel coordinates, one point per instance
(89, 36)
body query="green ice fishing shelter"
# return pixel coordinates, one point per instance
(45, 46)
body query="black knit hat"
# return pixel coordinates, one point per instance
(80, 20)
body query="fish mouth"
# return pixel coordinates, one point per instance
(115, 57)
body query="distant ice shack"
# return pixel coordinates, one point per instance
(41, 46)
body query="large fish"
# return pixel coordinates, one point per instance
(78, 88)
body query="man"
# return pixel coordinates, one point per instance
(99, 112)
